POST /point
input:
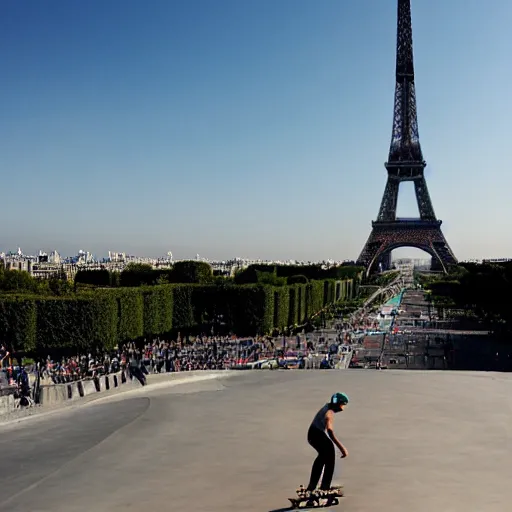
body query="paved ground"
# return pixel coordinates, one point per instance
(418, 441)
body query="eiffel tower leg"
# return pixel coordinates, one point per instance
(423, 199)
(385, 260)
(370, 250)
(382, 261)
(442, 256)
(389, 201)
(437, 265)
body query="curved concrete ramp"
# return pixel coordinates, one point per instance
(418, 441)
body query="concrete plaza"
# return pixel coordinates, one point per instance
(418, 441)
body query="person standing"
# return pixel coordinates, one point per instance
(322, 438)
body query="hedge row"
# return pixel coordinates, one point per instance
(105, 317)
(297, 273)
(141, 274)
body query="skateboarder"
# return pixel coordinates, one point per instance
(321, 437)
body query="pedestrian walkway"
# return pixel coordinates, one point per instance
(390, 307)
(395, 301)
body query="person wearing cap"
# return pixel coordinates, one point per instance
(322, 438)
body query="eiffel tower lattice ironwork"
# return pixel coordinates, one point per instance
(405, 163)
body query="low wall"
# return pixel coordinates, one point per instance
(52, 395)
(7, 404)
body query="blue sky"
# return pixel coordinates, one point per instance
(245, 128)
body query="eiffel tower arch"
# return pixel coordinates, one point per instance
(405, 163)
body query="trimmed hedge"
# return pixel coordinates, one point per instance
(301, 303)
(293, 306)
(246, 310)
(102, 318)
(252, 273)
(142, 274)
(345, 294)
(99, 277)
(130, 312)
(183, 309)
(138, 275)
(281, 307)
(250, 309)
(315, 297)
(350, 290)
(157, 310)
(347, 290)
(297, 279)
(80, 324)
(198, 272)
(18, 323)
(309, 272)
(255, 310)
(102, 312)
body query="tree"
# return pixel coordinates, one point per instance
(138, 274)
(198, 272)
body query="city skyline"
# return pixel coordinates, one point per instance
(123, 256)
(257, 130)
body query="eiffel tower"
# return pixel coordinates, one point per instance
(405, 163)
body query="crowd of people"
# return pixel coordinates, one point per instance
(154, 356)
(151, 357)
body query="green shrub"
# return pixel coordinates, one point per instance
(18, 323)
(19, 281)
(315, 297)
(114, 279)
(193, 272)
(293, 307)
(350, 290)
(249, 275)
(250, 309)
(183, 310)
(337, 291)
(270, 278)
(130, 312)
(281, 307)
(301, 303)
(100, 277)
(309, 271)
(79, 324)
(100, 318)
(157, 309)
(298, 279)
(316, 272)
(207, 303)
(138, 274)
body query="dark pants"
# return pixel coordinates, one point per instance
(137, 373)
(324, 461)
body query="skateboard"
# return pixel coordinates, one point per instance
(317, 498)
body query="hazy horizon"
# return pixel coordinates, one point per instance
(249, 129)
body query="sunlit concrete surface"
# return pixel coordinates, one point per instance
(417, 441)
